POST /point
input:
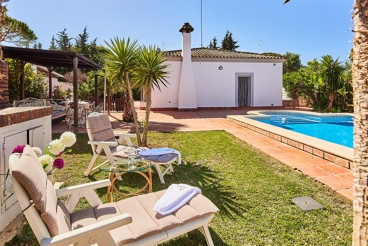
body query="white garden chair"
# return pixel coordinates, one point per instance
(104, 144)
(128, 222)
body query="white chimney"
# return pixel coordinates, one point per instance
(187, 90)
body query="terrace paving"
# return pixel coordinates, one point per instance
(335, 177)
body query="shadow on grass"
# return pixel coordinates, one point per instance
(195, 238)
(189, 173)
(208, 181)
(152, 127)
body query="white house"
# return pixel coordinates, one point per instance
(215, 78)
(55, 76)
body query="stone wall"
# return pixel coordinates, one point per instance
(4, 90)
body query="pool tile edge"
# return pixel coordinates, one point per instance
(338, 154)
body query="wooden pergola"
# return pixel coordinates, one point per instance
(52, 59)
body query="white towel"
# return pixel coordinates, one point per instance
(161, 151)
(176, 196)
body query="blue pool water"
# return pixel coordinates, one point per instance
(335, 129)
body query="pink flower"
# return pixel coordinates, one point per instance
(18, 149)
(59, 163)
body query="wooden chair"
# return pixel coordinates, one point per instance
(104, 144)
(128, 222)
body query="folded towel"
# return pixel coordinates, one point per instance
(176, 196)
(161, 151)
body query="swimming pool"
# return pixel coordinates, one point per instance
(335, 128)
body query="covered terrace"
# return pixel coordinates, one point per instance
(52, 59)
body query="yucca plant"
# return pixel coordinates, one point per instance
(150, 74)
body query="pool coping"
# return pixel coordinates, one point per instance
(338, 154)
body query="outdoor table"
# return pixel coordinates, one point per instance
(124, 166)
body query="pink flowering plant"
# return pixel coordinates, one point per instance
(51, 159)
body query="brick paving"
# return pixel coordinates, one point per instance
(336, 177)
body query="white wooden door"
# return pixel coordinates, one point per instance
(36, 137)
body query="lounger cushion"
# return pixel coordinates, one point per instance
(147, 222)
(49, 212)
(63, 218)
(101, 128)
(163, 222)
(141, 225)
(30, 174)
(160, 158)
(82, 218)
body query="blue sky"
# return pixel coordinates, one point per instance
(311, 28)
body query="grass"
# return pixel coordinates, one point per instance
(252, 190)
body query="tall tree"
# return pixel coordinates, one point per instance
(149, 74)
(292, 63)
(81, 42)
(37, 45)
(95, 52)
(228, 43)
(63, 40)
(213, 43)
(13, 30)
(332, 73)
(360, 86)
(53, 44)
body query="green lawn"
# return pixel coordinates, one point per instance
(252, 190)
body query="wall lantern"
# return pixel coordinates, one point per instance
(220, 67)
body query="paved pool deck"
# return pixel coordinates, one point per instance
(337, 178)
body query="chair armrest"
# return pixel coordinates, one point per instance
(103, 143)
(83, 187)
(126, 137)
(131, 135)
(89, 232)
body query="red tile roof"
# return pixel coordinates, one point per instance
(219, 53)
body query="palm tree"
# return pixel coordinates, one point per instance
(360, 87)
(121, 61)
(332, 73)
(150, 73)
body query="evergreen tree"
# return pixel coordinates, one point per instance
(81, 44)
(37, 45)
(213, 44)
(53, 45)
(63, 40)
(95, 52)
(228, 43)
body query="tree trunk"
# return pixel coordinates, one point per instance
(331, 99)
(135, 117)
(360, 86)
(108, 100)
(148, 110)
(127, 114)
